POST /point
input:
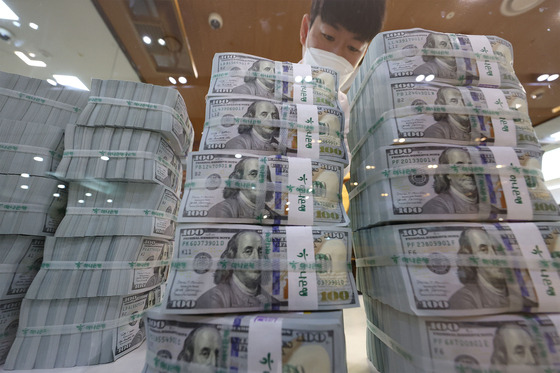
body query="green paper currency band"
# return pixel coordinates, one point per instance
(39, 100)
(86, 327)
(475, 169)
(120, 212)
(100, 265)
(121, 154)
(430, 109)
(29, 149)
(22, 207)
(276, 76)
(407, 53)
(456, 260)
(187, 264)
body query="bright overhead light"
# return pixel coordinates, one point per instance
(552, 77)
(6, 12)
(34, 26)
(88, 194)
(542, 78)
(24, 186)
(172, 80)
(25, 175)
(51, 82)
(16, 23)
(420, 77)
(161, 41)
(104, 158)
(30, 62)
(32, 55)
(146, 39)
(109, 201)
(56, 195)
(38, 159)
(182, 80)
(430, 77)
(71, 81)
(61, 186)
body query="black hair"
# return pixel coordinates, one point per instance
(361, 17)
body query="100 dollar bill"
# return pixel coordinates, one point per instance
(461, 269)
(433, 182)
(228, 187)
(414, 112)
(310, 342)
(238, 73)
(243, 268)
(500, 344)
(271, 127)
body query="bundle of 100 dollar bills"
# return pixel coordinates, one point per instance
(421, 112)
(427, 182)
(115, 103)
(241, 268)
(57, 333)
(461, 269)
(35, 100)
(397, 342)
(238, 73)
(227, 186)
(268, 127)
(295, 342)
(422, 55)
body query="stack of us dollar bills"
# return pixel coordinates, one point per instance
(399, 342)
(450, 212)
(261, 228)
(109, 257)
(33, 114)
(272, 342)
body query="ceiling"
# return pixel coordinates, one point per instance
(103, 38)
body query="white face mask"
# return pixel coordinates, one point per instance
(320, 57)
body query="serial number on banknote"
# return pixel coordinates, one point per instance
(202, 243)
(430, 243)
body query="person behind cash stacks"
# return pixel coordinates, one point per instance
(514, 346)
(258, 86)
(238, 287)
(241, 202)
(438, 66)
(260, 136)
(484, 287)
(202, 346)
(449, 126)
(336, 34)
(456, 193)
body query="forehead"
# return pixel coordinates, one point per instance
(207, 337)
(516, 335)
(338, 28)
(440, 37)
(451, 92)
(477, 236)
(249, 238)
(457, 155)
(265, 64)
(264, 105)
